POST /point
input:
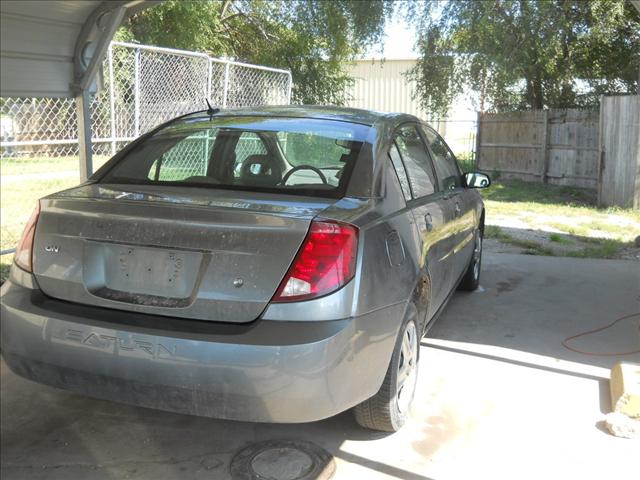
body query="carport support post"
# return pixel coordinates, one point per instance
(112, 102)
(84, 135)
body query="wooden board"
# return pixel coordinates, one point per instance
(620, 152)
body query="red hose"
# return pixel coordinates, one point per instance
(596, 330)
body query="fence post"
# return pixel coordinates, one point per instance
(225, 90)
(545, 147)
(209, 78)
(136, 90)
(600, 164)
(289, 88)
(478, 130)
(112, 102)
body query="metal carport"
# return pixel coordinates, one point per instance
(55, 49)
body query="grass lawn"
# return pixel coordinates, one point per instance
(552, 220)
(30, 165)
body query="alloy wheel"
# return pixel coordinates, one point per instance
(407, 368)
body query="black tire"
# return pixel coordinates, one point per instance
(383, 411)
(471, 279)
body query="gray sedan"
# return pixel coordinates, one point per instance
(270, 265)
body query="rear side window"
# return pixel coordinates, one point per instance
(443, 160)
(396, 161)
(416, 160)
(185, 159)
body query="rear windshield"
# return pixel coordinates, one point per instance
(289, 155)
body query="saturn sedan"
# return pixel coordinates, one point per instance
(269, 265)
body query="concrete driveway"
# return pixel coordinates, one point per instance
(498, 397)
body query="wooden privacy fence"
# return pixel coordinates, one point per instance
(592, 149)
(620, 152)
(555, 146)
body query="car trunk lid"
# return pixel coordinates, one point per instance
(177, 251)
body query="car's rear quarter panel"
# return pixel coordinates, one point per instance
(389, 250)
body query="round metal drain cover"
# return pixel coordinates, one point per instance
(282, 460)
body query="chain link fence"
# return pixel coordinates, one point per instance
(142, 86)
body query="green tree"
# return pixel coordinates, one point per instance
(523, 54)
(312, 38)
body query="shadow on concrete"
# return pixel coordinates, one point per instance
(381, 467)
(532, 303)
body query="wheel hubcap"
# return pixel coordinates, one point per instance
(407, 368)
(477, 255)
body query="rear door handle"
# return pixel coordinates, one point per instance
(457, 209)
(428, 222)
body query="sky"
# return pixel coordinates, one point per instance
(400, 39)
(398, 42)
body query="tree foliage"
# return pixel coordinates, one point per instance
(522, 54)
(312, 38)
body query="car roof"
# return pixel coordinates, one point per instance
(353, 115)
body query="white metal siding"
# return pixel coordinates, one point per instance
(383, 86)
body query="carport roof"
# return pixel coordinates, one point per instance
(43, 48)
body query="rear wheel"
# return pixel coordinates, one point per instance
(388, 409)
(471, 279)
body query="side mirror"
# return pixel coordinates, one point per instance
(477, 180)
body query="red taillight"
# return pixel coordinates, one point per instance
(326, 262)
(24, 250)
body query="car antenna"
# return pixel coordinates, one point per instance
(211, 110)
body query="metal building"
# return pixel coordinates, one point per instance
(383, 85)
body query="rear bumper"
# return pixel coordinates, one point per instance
(266, 371)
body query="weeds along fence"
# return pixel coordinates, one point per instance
(142, 86)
